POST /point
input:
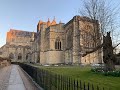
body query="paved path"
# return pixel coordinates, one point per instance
(14, 78)
(15, 81)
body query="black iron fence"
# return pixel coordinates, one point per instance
(50, 81)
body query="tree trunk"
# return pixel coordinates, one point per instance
(109, 66)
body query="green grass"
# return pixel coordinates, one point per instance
(84, 74)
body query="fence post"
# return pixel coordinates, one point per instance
(77, 85)
(84, 86)
(74, 85)
(59, 84)
(51, 81)
(43, 79)
(103, 88)
(88, 86)
(80, 85)
(63, 82)
(92, 87)
(48, 80)
(69, 84)
(56, 82)
(97, 88)
(66, 83)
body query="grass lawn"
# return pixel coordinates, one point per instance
(84, 74)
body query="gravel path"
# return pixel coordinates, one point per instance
(4, 77)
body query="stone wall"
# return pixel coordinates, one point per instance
(54, 57)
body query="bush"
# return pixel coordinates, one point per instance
(108, 73)
(112, 73)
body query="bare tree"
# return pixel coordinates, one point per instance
(99, 10)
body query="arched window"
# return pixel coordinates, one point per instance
(60, 45)
(11, 56)
(57, 44)
(19, 56)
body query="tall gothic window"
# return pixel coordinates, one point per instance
(60, 45)
(57, 44)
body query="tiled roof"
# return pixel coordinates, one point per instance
(20, 33)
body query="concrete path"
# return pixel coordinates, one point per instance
(15, 81)
(14, 78)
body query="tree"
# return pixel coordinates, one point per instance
(99, 10)
(108, 56)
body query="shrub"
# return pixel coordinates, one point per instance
(112, 73)
(108, 73)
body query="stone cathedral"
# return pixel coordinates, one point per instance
(55, 43)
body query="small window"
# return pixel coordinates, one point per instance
(19, 56)
(11, 56)
(26, 56)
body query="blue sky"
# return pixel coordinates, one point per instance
(25, 14)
